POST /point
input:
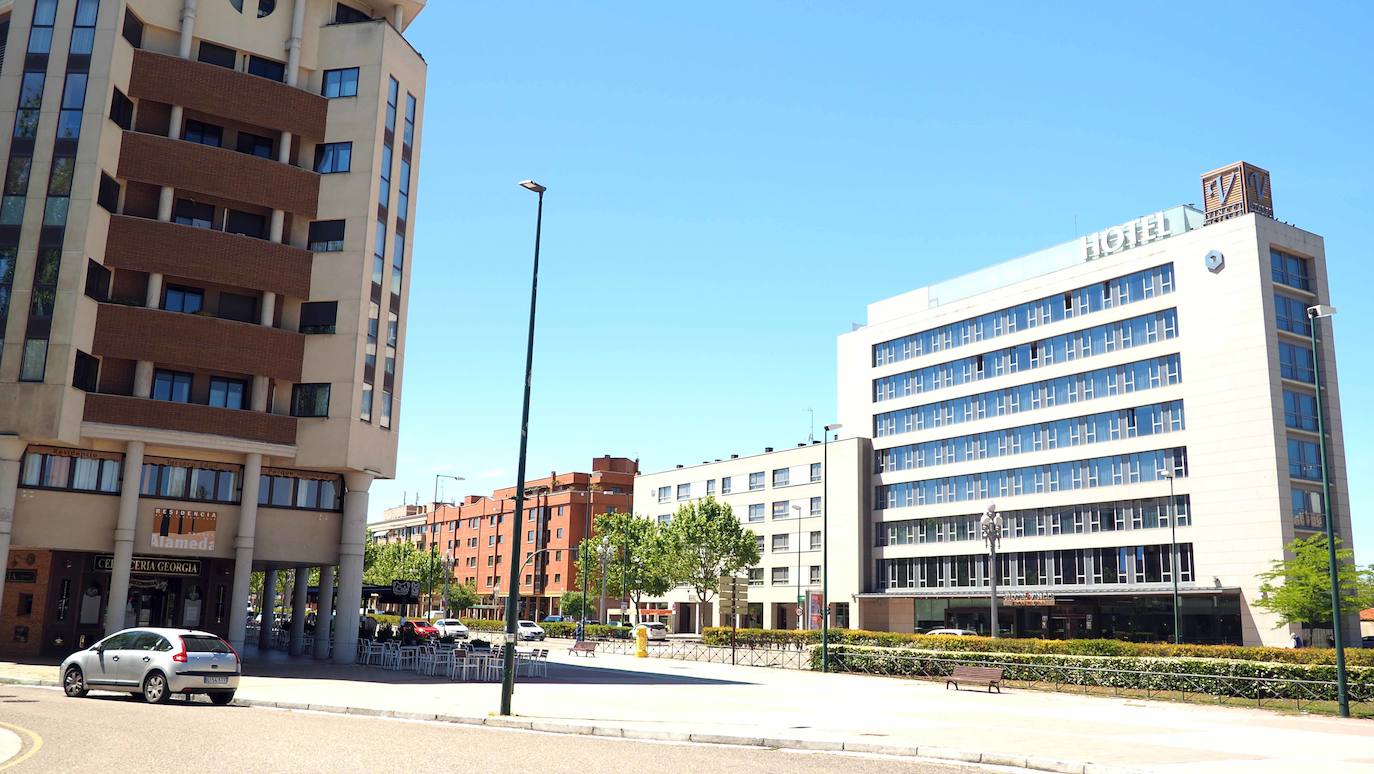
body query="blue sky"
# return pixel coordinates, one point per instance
(731, 183)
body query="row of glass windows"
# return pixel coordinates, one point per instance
(1123, 334)
(1065, 567)
(1073, 303)
(63, 471)
(1291, 270)
(781, 477)
(1075, 431)
(186, 482)
(1084, 519)
(1036, 479)
(1103, 382)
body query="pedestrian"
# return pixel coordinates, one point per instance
(1297, 640)
(1330, 640)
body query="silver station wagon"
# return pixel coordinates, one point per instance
(155, 663)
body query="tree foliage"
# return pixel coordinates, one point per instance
(1298, 589)
(386, 562)
(639, 559)
(574, 605)
(707, 541)
(461, 597)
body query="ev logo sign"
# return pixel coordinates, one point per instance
(1236, 190)
(406, 589)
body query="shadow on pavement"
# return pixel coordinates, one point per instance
(566, 674)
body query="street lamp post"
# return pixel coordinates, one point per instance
(991, 524)
(513, 593)
(585, 556)
(603, 556)
(1173, 555)
(801, 603)
(1315, 313)
(825, 546)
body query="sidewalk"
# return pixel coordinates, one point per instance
(624, 696)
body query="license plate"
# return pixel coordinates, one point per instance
(217, 680)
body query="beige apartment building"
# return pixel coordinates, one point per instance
(205, 253)
(781, 496)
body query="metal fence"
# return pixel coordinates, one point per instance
(1274, 692)
(686, 650)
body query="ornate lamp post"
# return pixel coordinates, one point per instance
(991, 525)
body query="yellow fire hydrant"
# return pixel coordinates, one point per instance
(641, 642)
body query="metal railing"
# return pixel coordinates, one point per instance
(686, 650)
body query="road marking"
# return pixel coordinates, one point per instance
(36, 744)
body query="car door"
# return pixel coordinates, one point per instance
(104, 667)
(137, 658)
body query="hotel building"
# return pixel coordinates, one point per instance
(205, 252)
(781, 496)
(1069, 389)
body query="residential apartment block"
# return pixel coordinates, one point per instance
(205, 255)
(781, 496)
(1069, 389)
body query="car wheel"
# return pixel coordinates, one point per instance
(155, 688)
(74, 682)
(222, 698)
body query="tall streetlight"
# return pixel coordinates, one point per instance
(1173, 554)
(513, 593)
(1315, 313)
(801, 604)
(585, 556)
(434, 515)
(991, 524)
(825, 546)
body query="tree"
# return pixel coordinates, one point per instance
(1298, 589)
(640, 563)
(573, 604)
(706, 541)
(461, 597)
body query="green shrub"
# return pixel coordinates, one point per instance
(1195, 675)
(1102, 647)
(551, 629)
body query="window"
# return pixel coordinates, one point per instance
(756, 575)
(108, 195)
(233, 306)
(780, 476)
(1300, 410)
(310, 400)
(266, 68)
(780, 509)
(245, 223)
(710, 487)
(97, 281)
(254, 145)
(384, 186)
(185, 300)
(684, 491)
(386, 410)
(392, 92)
(122, 110)
(83, 27)
(340, 83)
(1295, 362)
(815, 472)
(1307, 509)
(779, 576)
(1291, 315)
(815, 574)
(319, 316)
(665, 493)
(403, 193)
(816, 540)
(780, 542)
(326, 236)
(86, 374)
(40, 37)
(755, 512)
(279, 488)
(189, 213)
(227, 393)
(755, 481)
(333, 157)
(35, 360)
(346, 14)
(133, 29)
(815, 506)
(217, 55)
(725, 485)
(1304, 460)
(203, 133)
(266, 7)
(173, 386)
(30, 101)
(1290, 270)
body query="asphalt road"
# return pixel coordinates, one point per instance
(112, 733)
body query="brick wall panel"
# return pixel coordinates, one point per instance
(218, 172)
(190, 418)
(197, 342)
(213, 256)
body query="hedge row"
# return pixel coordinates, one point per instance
(1195, 675)
(551, 629)
(800, 639)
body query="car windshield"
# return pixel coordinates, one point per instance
(200, 644)
(527, 623)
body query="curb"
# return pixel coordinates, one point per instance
(945, 754)
(31, 682)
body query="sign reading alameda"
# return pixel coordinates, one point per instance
(184, 529)
(152, 565)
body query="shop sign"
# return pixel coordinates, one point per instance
(1028, 599)
(183, 529)
(406, 589)
(21, 576)
(152, 565)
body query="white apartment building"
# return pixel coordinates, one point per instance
(1065, 387)
(781, 497)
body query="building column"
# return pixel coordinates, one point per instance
(11, 458)
(324, 613)
(300, 584)
(269, 601)
(351, 535)
(124, 537)
(243, 551)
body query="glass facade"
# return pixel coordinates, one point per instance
(1063, 567)
(1082, 519)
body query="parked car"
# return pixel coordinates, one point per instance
(420, 630)
(557, 619)
(654, 631)
(451, 627)
(155, 663)
(1368, 641)
(528, 630)
(952, 632)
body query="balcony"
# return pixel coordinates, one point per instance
(228, 174)
(197, 342)
(220, 91)
(190, 418)
(150, 246)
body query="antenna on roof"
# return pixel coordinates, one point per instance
(811, 436)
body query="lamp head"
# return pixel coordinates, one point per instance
(1321, 310)
(530, 185)
(833, 426)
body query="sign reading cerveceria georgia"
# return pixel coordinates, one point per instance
(152, 565)
(183, 529)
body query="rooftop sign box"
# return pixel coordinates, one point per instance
(1235, 190)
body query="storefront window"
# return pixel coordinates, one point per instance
(65, 470)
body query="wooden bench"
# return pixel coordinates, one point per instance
(579, 648)
(991, 676)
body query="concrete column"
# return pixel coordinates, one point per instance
(398, 16)
(269, 601)
(188, 28)
(293, 44)
(124, 537)
(325, 613)
(11, 457)
(243, 551)
(174, 125)
(300, 597)
(351, 535)
(269, 309)
(166, 197)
